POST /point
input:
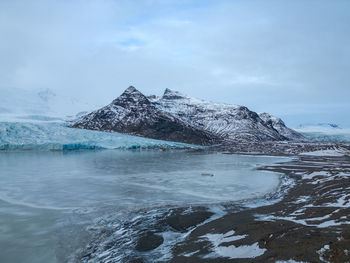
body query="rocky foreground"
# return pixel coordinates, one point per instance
(307, 220)
(284, 148)
(310, 224)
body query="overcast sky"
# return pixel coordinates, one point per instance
(289, 58)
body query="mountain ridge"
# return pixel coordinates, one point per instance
(178, 117)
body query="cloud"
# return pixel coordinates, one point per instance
(288, 58)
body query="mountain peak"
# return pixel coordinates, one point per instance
(132, 96)
(279, 125)
(131, 90)
(172, 95)
(268, 117)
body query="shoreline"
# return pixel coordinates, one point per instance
(173, 219)
(308, 224)
(277, 231)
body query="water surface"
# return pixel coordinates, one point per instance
(48, 198)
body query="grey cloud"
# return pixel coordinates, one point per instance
(289, 58)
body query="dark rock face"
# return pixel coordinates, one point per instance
(176, 117)
(182, 222)
(149, 241)
(281, 128)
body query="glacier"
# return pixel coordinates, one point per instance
(18, 103)
(325, 133)
(56, 136)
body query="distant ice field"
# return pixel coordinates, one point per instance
(325, 134)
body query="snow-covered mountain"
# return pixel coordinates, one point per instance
(178, 117)
(226, 121)
(278, 125)
(133, 113)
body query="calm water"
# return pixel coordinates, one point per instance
(48, 198)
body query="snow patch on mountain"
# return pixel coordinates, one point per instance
(232, 122)
(178, 117)
(278, 124)
(133, 113)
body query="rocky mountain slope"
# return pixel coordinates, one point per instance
(133, 113)
(278, 125)
(178, 117)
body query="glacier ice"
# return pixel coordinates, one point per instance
(16, 102)
(325, 133)
(57, 136)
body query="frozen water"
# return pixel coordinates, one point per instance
(48, 198)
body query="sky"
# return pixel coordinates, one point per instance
(288, 58)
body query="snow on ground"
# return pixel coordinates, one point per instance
(217, 239)
(302, 199)
(329, 153)
(308, 221)
(338, 198)
(245, 251)
(322, 251)
(342, 201)
(314, 174)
